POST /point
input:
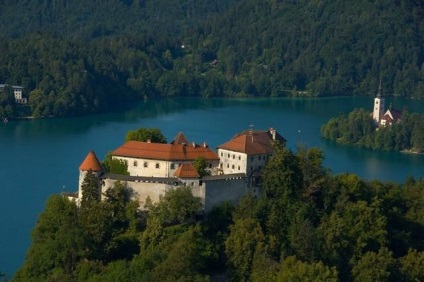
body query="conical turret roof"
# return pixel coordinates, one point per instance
(91, 162)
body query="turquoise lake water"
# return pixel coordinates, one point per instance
(41, 157)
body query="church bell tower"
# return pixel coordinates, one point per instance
(378, 106)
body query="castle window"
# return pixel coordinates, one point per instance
(210, 165)
(232, 166)
(238, 167)
(172, 166)
(251, 158)
(222, 154)
(228, 155)
(157, 165)
(220, 165)
(228, 165)
(135, 163)
(234, 156)
(239, 157)
(145, 164)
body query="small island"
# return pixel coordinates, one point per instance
(387, 130)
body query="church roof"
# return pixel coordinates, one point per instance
(91, 162)
(165, 152)
(392, 115)
(253, 142)
(186, 170)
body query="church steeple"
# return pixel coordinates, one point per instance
(378, 110)
(380, 90)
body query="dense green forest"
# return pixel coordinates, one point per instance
(307, 225)
(78, 57)
(358, 128)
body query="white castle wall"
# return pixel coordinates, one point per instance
(212, 190)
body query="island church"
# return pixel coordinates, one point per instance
(382, 117)
(155, 167)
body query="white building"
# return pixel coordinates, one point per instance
(382, 117)
(378, 107)
(162, 160)
(17, 92)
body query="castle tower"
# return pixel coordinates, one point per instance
(378, 106)
(90, 163)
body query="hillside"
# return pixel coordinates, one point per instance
(306, 225)
(78, 57)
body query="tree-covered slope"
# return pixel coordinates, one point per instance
(96, 54)
(306, 225)
(327, 47)
(88, 19)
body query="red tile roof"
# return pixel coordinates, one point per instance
(180, 139)
(91, 162)
(253, 142)
(186, 170)
(392, 115)
(166, 152)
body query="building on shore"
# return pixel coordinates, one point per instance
(155, 168)
(382, 117)
(17, 92)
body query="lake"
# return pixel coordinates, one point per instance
(41, 157)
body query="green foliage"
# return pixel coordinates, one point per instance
(412, 266)
(115, 166)
(245, 237)
(293, 269)
(201, 165)
(153, 135)
(175, 206)
(375, 267)
(57, 242)
(90, 190)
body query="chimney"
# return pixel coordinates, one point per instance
(273, 133)
(194, 145)
(205, 145)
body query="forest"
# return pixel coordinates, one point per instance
(79, 57)
(359, 129)
(306, 225)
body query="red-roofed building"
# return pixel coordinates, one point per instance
(390, 117)
(186, 171)
(155, 168)
(162, 160)
(248, 151)
(90, 163)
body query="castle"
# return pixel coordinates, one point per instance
(155, 167)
